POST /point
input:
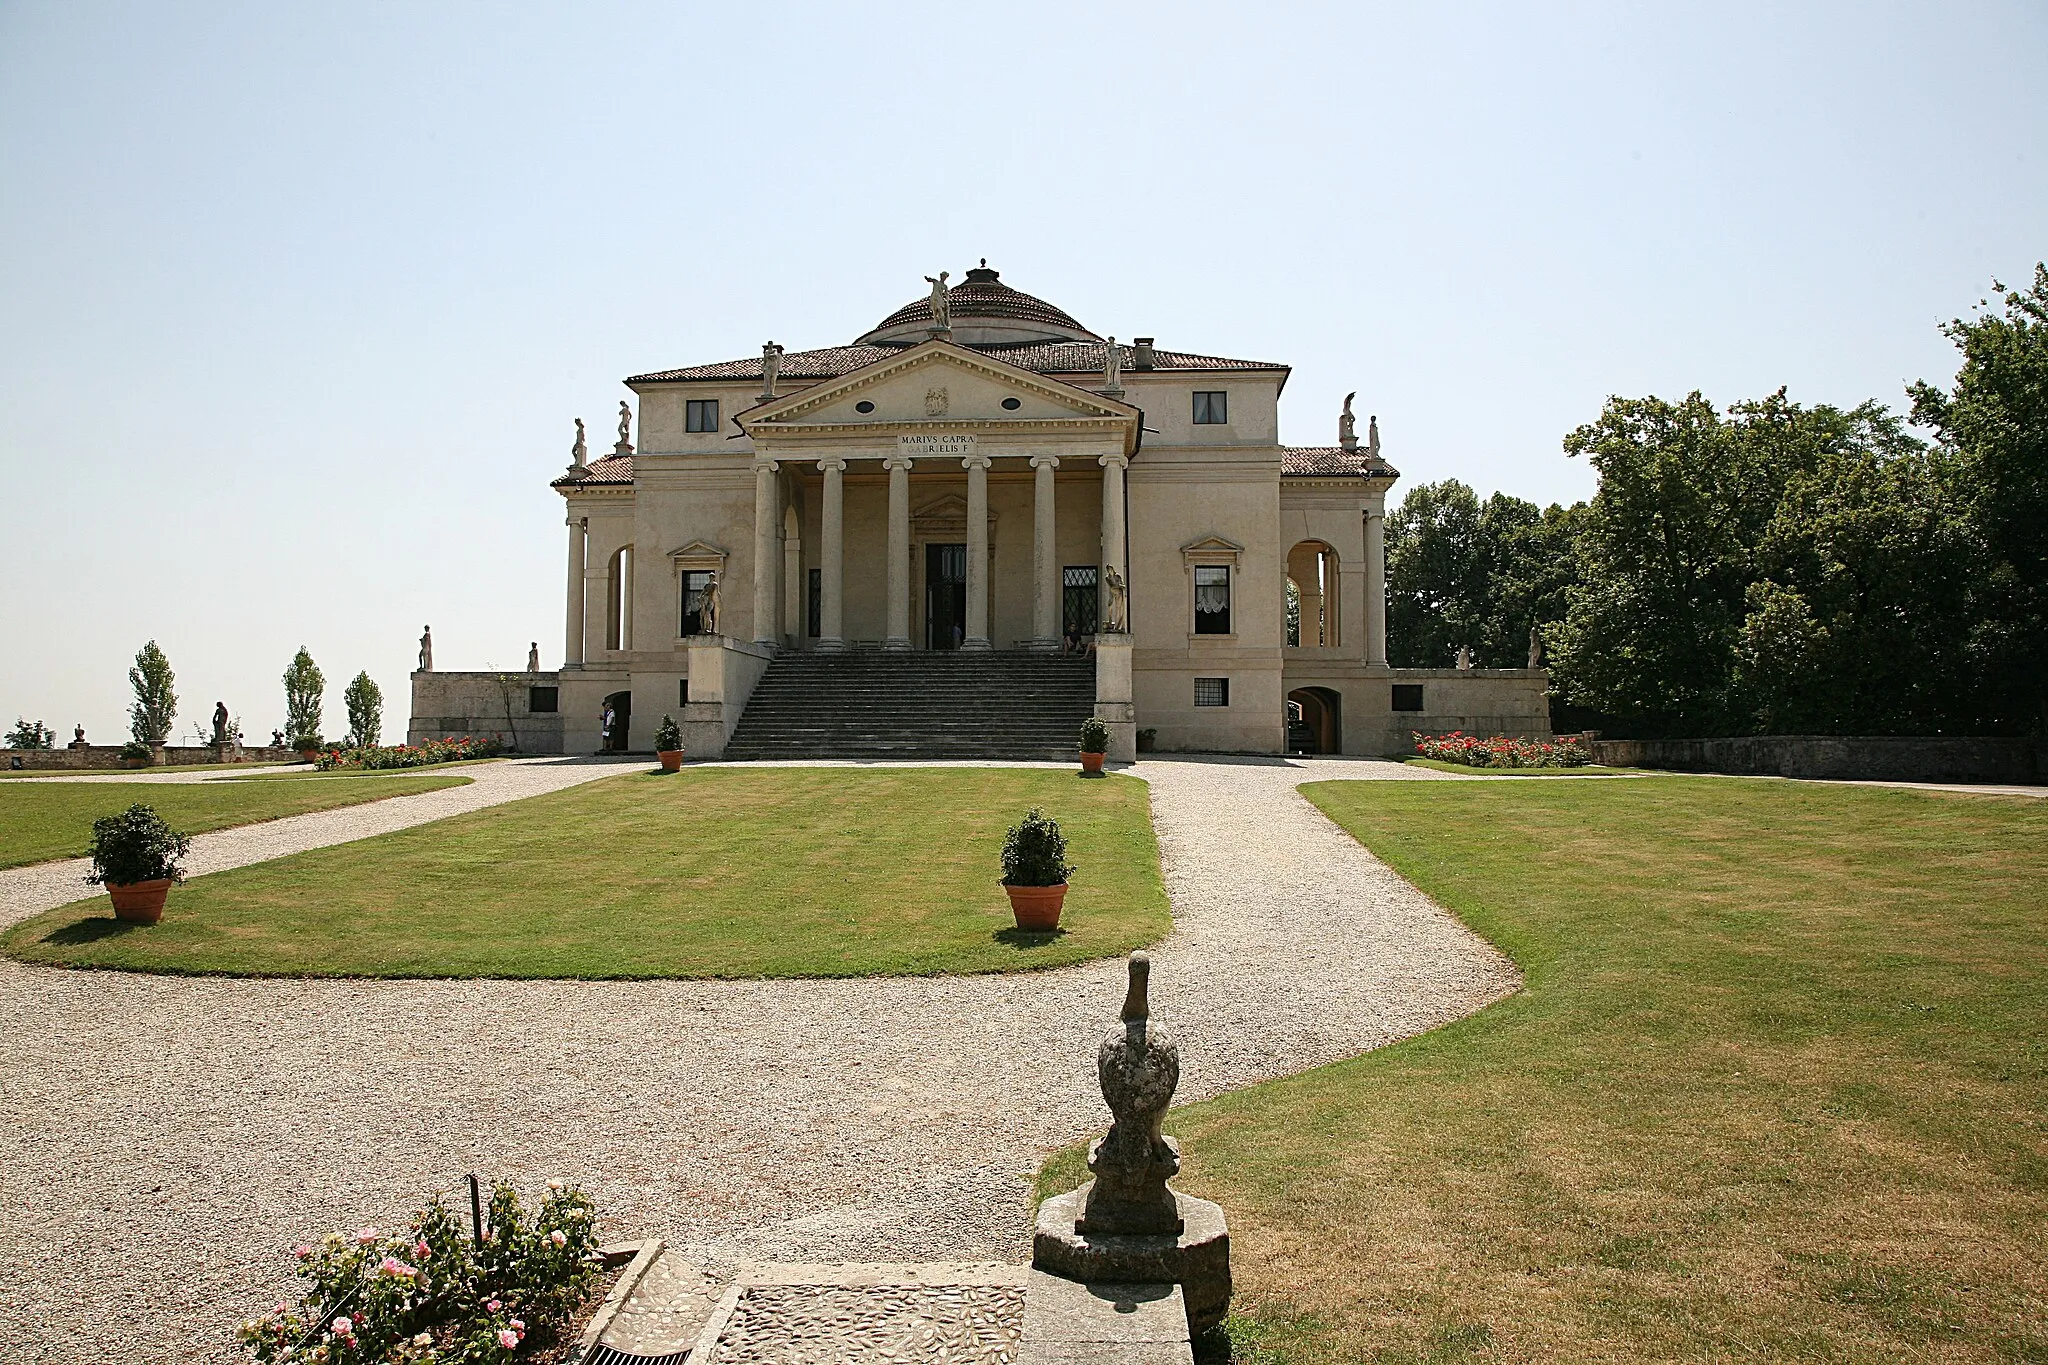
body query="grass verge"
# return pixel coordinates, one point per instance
(1777, 1089)
(1467, 770)
(41, 821)
(709, 872)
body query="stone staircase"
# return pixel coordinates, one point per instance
(929, 705)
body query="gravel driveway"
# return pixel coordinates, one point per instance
(166, 1138)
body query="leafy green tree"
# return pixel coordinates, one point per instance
(31, 734)
(365, 709)
(155, 709)
(305, 686)
(1479, 575)
(1994, 422)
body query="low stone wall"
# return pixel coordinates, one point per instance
(474, 706)
(1881, 758)
(109, 756)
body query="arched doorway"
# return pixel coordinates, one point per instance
(1314, 725)
(617, 721)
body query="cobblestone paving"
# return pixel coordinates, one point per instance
(166, 1138)
(882, 1324)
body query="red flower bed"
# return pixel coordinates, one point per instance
(1501, 751)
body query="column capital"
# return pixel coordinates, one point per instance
(1045, 462)
(831, 462)
(1116, 459)
(766, 463)
(896, 461)
(975, 461)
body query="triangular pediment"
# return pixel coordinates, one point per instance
(935, 383)
(1212, 549)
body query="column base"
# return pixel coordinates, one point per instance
(829, 646)
(897, 644)
(975, 644)
(1039, 644)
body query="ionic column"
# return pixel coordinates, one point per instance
(831, 557)
(1113, 466)
(572, 636)
(1375, 587)
(1045, 555)
(766, 513)
(977, 552)
(899, 552)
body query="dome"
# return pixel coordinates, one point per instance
(986, 312)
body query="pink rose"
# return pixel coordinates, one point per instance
(493, 1305)
(303, 1252)
(421, 1249)
(367, 1236)
(518, 1326)
(559, 1237)
(508, 1338)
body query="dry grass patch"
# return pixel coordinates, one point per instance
(1777, 1089)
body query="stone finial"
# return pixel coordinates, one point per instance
(1139, 1069)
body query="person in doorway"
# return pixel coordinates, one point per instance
(607, 718)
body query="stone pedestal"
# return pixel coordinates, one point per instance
(1113, 703)
(1198, 1260)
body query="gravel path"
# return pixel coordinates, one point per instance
(167, 1137)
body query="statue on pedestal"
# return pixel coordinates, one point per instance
(1535, 647)
(426, 649)
(771, 368)
(625, 445)
(580, 452)
(942, 308)
(533, 657)
(707, 607)
(78, 737)
(1347, 424)
(1115, 595)
(1113, 367)
(220, 724)
(1372, 436)
(1465, 656)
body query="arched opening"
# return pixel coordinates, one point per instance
(616, 721)
(1314, 725)
(1312, 595)
(618, 600)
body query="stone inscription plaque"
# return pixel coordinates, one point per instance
(933, 447)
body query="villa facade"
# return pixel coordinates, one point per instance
(981, 473)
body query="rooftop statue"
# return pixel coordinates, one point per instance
(1347, 424)
(625, 445)
(771, 368)
(1113, 366)
(942, 308)
(580, 452)
(533, 657)
(1372, 436)
(426, 649)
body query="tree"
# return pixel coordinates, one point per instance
(155, 709)
(1994, 424)
(1480, 575)
(31, 734)
(365, 710)
(304, 688)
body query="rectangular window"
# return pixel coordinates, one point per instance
(683, 692)
(814, 604)
(1212, 599)
(1212, 408)
(1078, 599)
(1212, 691)
(1407, 696)
(700, 414)
(543, 700)
(694, 583)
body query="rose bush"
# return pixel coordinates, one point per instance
(408, 755)
(432, 1293)
(1501, 751)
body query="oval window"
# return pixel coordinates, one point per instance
(1012, 404)
(863, 406)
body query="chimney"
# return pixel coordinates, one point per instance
(1141, 353)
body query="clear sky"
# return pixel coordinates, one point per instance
(297, 302)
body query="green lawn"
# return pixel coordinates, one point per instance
(44, 820)
(1777, 1090)
(252, 768)
(1590, 770)
(709, 872)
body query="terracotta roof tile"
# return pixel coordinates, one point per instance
(1042, 357)
(611, 470)
(1326, 461)
(982, 295)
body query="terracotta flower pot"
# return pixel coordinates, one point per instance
(1091, 763)
(671, 759)
(309, 755)
(140, 902)
(1037, 908)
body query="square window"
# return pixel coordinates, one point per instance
(1212, 691)
(700, 414)
(694, 583)
(543, 700)
(1407, 696)
(1212, 599)
(1212, 407)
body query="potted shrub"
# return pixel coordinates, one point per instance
(136, 856)
(1148, 741)
(1094, 744)
(308, 746)
(135, 754)
(1035, 871)
(668, 744)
